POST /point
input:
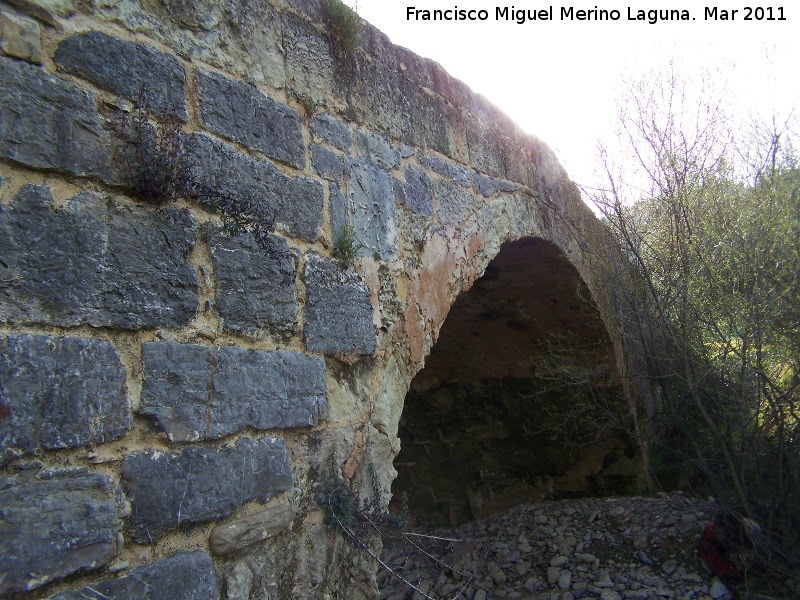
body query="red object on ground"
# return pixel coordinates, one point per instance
(714, 554)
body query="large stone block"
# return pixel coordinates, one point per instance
(295, 202)
(453, 172)
(453, 203)
(377, 150)
(250, 530)
(326, 163)
(97, 263)
(167, 489)
(371, 209)
(242, 113)
(252, 295)
(309, 64)
(325, 128)
(55, 523)
(182, 576)
(58, 392)
(338, 314)
(124, 68)
(418, 194)
(203, 392)
(50, 123)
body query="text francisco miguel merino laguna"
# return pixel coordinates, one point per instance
(570, 13)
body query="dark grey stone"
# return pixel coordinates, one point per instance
(419, 197)
(325, 128)
(58, 392)
(252, 297)
(55, 523)
(376, 150)
(338, 313)
(242, 113)
(50, 123)
(167, 489)
(372, 215)
(337, 205)
(455, 173)
(182, 576)
(203, 392)
(326, 163)
(453, 203)
(486, 186)
(294, 201)
(124, 67)
(97, 263)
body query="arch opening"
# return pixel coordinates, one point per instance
(520, 399)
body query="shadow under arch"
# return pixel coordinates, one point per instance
(520, 399)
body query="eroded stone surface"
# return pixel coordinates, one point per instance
(242, 113)
(19, 37)
(49, 123)
(326, 163)
(338, 314)
(58, 392)
(182, 576)
(204, 392)
(89, 262)
(252, 293)
(325, 128)
(250, 530)
(124, 67)
(371, 209)
(53, 524)
(167, 489)
(418, 194)
(376, 150)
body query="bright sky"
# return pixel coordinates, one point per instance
(558, 79)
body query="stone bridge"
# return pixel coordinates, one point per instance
(172, 406)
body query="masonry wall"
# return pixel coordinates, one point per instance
(168, 400)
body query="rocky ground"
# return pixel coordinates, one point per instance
(612, 549)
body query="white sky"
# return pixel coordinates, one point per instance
(559, 79)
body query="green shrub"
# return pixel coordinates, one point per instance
(344, 26)
(346, 248)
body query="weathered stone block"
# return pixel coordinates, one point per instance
(419, 197)
(372, 215)
(486, 186)
(49, 123)
(19, 37)
(326, 163)
(309, 64)
(54, 524)
(250, 530)
(453, 203)
(89, 262)
(377, 150)
(124, 67)
(58, 392)
(252, 297)
(338, 314)
(325, 128)
(337, 206)
(182, 576)
(201, 392)
(295, 202)
(242, 113)
(455, 173)
(167, 489)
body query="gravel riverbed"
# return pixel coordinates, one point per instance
(609, 548)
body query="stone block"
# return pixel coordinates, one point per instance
(371, 209)
(250, 530)
(124, 68)
(326, 163)
(50, 123)
(182, 576)
(20, 38)
(252, 297)
(97, 263)
(419, 197)
(295, 202)
(452, 172)
(337, 206)
(487, 186)
(45, 10)
(55, 523)
(327, 129)
(377, 150)
(242, 113)
(338, 313)
(453, 203)
(203, 392)
(167, 489)
(58, 392)
(309, 64)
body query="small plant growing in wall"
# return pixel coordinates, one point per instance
(344, 26)
(346, 248)
(157, 169)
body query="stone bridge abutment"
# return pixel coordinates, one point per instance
(174, 399)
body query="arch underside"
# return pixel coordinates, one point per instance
(520, 398)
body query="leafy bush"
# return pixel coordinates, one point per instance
(344, 26)
(345, 249)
